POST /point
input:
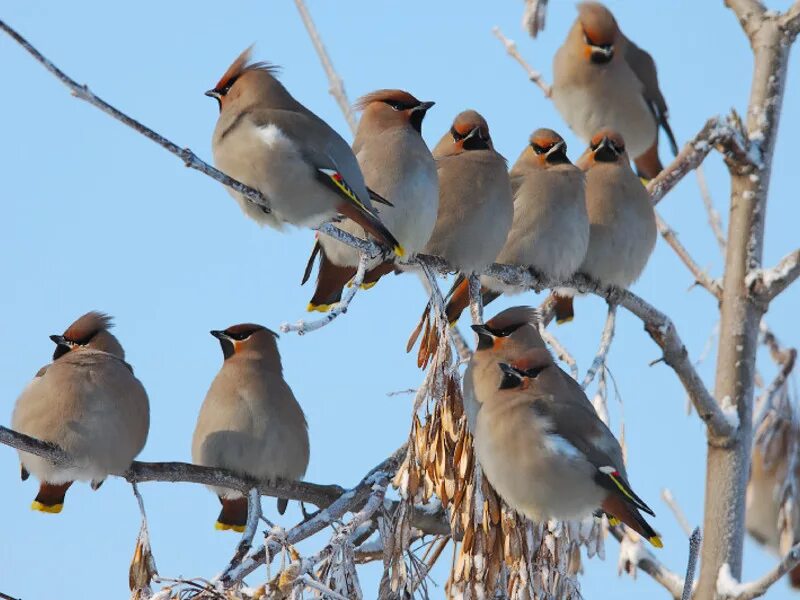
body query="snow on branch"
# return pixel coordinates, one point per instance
(633, 555)
(187, 156)
(730, 589)
(694, 550)
(766, 284)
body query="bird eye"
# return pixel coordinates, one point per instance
(506, 331)
(510, 381)
(538, 149)
(227, 87)
(533, 372)
(456, 136)
(239, 336)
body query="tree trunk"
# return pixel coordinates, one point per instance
(728, 461)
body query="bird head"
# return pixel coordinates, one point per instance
(469, 131)
(548, 148)
(243, 79)
(392, 107)
(89, 331)
(249, 338)
(600, 32)
(607, 146)
(513, 330)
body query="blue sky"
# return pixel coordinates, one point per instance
(97, 217)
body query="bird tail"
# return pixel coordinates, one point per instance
(563, 308)
(458, 299)
(233, 515)
(282, 504)
(794, 577)
(373, 275)
(331, 280)
(370, 222)
(618, 508)
(648, 165)
(50, 498)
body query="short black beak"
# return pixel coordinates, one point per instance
(557, 154)
(213, 94)
(485, 337)
(605, 152)
(58, 340)
(220, 335)
(423, 106)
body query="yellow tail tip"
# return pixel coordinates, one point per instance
(644, 181)
(318, 307)
(398, 250)
(656, 541)
(368, 286)
(52, 509)
(613, 521)
(220, 526)
(564, 320)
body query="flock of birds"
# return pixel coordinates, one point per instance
(536, 435)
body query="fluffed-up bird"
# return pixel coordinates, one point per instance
(396, 164)
(622, 222)
(550, 230)
(537, 437)
(764, 499)
(250, 421)
(476, 206)
(602, 79)
(267, 140)
(88, 403)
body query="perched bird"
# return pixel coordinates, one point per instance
(768, 473)
(396, 164)
(550, 230)
(267, 140)
(250, 421)
(476, 208)
(538, 438)
(602, 79)
(88, 403)
(622, 222)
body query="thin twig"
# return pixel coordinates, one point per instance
(729, 589)
(561, 352)
(714, 218)
(695, 540)
(677, 511)
(187, 156)
(647, 562)
(336, 88)
(533, 74)
(700, 275)
(533, 17)
(244, 545)
(475, 298)
(605, 345)
(302, 327)
(766, 284)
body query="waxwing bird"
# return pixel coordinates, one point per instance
(538, 438)
(622, 222)
(250, 421)
(88, 403)
(550, 230)
(602, 79)
(768, 473)
(267, 140)
(396, 164)
(476, 207)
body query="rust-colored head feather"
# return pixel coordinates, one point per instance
(545, 138)
(598, 23)
(88, 326)
(240, 66)
(399, 96)
(245, 329)
(468, 120)
(516, 315)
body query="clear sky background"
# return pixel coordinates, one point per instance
(95, 216)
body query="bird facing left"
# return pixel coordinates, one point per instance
(88, 403)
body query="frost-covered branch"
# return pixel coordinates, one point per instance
(244, 545)
(606, 338)
(533, 74)
(634, 555)
(766, 284)
(730, 589)
(677, 511)
(701, 276)
(694, 550)
(336, 88)
(561, 352)
(533, 17)
(187, 156)
(790, 21)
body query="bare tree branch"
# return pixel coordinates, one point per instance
(533, 17)
(701, 276)
(750, 14)
(729, 589)
(677, 511)
(766, 284)
(187, 156)
(606, 338)
(561, 352)
(533, 74)
(336, 88)
(647, 562)
(790, 21)
(244, 545)
(714, 219)
(694, 549)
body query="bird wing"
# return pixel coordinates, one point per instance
(643, 65)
